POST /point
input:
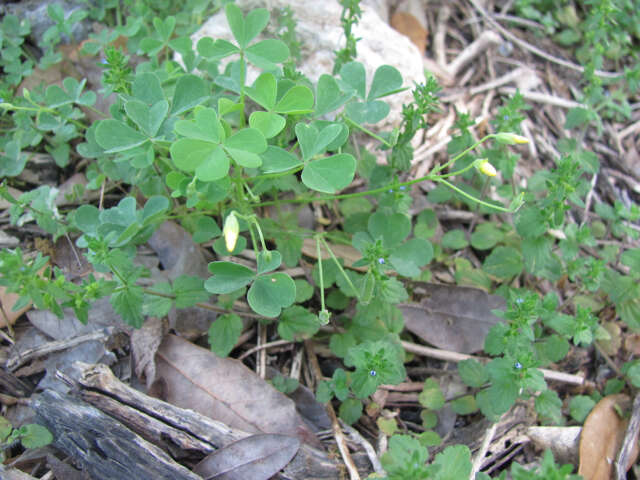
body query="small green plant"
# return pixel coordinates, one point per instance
(195, 142)
(30, 435)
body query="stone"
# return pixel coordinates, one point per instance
(320, 32)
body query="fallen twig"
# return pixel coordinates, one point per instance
(630, 440)
(449, 356)
(536, 50)
(482, 452)
(337, 431)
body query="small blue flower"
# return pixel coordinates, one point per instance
(373, 373)
(391, 190)
(518, 366)
(381, 261)
(403, 187)
(1, 100)
(519, 301)
(505, 118)
(104, 61)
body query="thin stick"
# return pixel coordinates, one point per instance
(261, 360)
(543, 98)
(536, 50)
(478, 46)
(355, 437)
(449, 356)
(264, 346)
(56, 346)
(630, 440)
(479, 458)
(337, 431)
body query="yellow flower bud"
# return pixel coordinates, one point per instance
(230, 231)
(483, 165)
(510, 138)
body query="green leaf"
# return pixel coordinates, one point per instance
(386, 81)
(473, 373)
(276, 159)
(354, 76)
(304, 290)
(350, 410)
(631, 258)
(330, 174)
(146, 87)
(227, 277)
(297, 323)
(454, 239)
(33, 435)
(465, 405)
(410, 256)
(549, 407)
(221, 249)
(486, 236)
(157, 306)
(190, 91)
(154, 209)
(454, 463)
(530, 222)
(189, 290)
(5, 429)
(127, 303)
(431, 396)
(87, 218)
(580, 406)
(244, 158)
(576, 117)
(236, 23)
(224, 334)
(270, 293)
(266, 54)
(504, 263)
(206, 229)
(269, 124)
(329, 97)
(165, 27)
(264, 91)
(207, 159)
(115, 136)
(367, 112)
(248, 140)
(268, 261)
(206, 126)
(254, 23)
(297, 100)
(215, 49)
(391, 228)
(313, 142)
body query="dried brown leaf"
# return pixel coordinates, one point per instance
(258, 457)
(451, 317)
(409, 25)
(225, 390)
(602, 436)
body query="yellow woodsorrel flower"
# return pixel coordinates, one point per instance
(510, 138)
(483, 165)
(230, 231)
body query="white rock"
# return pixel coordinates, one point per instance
(319, 31)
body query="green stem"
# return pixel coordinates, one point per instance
(368, 132)
(319, 253)
(463, 153)
(471, 197)
(206, 306)
(344, 274)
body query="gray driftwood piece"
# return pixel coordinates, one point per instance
(177, 429)
(101, 445)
